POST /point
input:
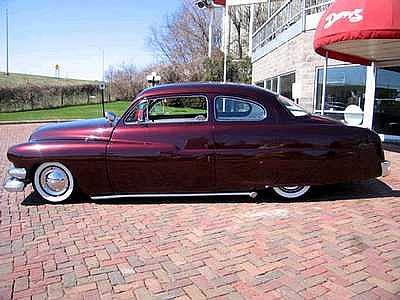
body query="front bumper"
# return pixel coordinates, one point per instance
(385, 165)
(15, 180)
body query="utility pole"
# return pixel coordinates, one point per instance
(7, 70)
(102, 64)
(210, 31)
(227, 37)
(252, 8)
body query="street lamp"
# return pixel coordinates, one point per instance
(209, 4)
(153, 78)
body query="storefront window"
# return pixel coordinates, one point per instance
(387, 101)
(287, 84)
(345, 91)
(260, 84)
(274, 84)
(269, 86)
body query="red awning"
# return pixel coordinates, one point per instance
(220, 2)
(360, 31)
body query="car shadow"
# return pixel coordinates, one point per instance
(369, 189)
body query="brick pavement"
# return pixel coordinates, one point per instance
(343, 243)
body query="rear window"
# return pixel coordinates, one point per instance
(235, 109)
(295, 109)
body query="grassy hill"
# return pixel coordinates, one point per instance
(15, 80)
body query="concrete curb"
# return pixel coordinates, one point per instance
(35, 121)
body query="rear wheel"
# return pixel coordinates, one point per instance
(291, 192)
(53, 182)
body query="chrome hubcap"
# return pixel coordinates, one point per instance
(54, 181)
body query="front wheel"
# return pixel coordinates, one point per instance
(291, 192)
(53, 182)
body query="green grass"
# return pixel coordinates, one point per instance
(170, 110)
(69, 113)
(15, 80)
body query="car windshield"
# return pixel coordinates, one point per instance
(294, 109)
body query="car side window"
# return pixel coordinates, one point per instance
(237, 109)
(178, 109)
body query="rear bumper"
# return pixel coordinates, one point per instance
(385, 166)
(15, 180)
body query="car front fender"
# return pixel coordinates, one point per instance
(84, 158)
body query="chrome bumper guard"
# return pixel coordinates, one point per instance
(385, 165)
(14, 180)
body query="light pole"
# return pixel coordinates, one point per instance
(227, 31)
(7, 55)
(209, 4)
(102, 65)
(210, 31)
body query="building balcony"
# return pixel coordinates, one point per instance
(292, 18)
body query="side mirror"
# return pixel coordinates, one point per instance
(110, 116)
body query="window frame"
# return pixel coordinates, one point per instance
(160, 97)
(315, 90)
(265, 116)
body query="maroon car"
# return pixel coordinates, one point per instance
(196, 140)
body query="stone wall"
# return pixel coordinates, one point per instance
(296, 55)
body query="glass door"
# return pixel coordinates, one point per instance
(387, 103)
(345, 93)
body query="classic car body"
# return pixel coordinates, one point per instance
(232, 139)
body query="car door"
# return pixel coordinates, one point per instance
(165, 146)
(245, 146)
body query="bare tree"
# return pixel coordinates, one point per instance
(126, 81)
(182, 40)
(240, 18)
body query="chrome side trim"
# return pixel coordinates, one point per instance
(250, 194)
(385, 165)
(19, 173)
(13, 185)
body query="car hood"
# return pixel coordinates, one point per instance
(92, 129)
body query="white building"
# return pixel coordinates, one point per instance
(284, 61)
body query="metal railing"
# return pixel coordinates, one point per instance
(316, 6)
(288, 14)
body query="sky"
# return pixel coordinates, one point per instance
(72, 33)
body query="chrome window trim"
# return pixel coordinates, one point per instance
(238, 119)
(147, 122)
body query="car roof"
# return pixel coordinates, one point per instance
(253, 92)
(206, 87)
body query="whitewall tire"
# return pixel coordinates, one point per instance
(291, 192)
(53, 182)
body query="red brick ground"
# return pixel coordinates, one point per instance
(343, 243)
